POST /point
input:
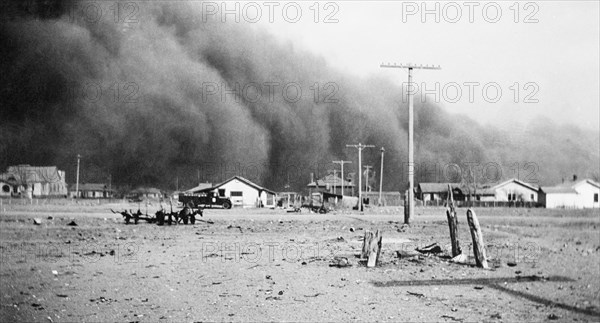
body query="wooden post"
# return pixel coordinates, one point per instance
(478, 245)
(372, 247)
(452, 224)
(366, 243)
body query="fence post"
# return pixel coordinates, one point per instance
(476, 235)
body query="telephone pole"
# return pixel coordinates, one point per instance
(367, 169)
(77, 181)
(411, 166)
(342, 162)
(381, 175)
(360, 147)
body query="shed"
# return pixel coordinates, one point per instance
(244, 193)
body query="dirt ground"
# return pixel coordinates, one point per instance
(270, 265)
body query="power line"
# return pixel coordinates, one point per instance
(411, 203)
(360, 147)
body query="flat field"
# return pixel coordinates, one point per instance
(270, 265)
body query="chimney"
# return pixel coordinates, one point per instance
(312, 177)
(574, 177)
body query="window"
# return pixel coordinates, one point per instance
(6, 189)
(235, 193)
(532, 198)
(221, 192)
(596, 198)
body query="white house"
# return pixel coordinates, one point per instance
(244, 193)
(515, 190)
(574, 195)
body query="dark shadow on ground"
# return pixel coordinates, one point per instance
(497, 284)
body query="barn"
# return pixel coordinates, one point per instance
(244, 193)
(575, 195)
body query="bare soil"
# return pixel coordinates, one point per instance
(270, 265)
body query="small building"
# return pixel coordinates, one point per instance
(33, 181)
(514, 190)
(331, 184)
(142, 193)
(286, 199)
(571, 195)
(438, 192)
(92, 190)
(243, 193)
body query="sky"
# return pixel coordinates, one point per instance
(501, 67)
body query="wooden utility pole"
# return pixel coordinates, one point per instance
(342, 162)
(367, 169)
(411, 166)
(381, 175)
(77, 181)
(360, 147)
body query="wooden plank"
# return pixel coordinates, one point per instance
(374, 249)
(366, 244)
(453, 224)
(478, 245)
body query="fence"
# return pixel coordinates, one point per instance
(521, 204)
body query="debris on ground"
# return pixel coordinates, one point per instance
(432, 248)
(460, 259)
(419, 295)
(340, 262)
(72, 224)
(37, 221)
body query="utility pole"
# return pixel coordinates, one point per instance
(77, 181)
(367, 169)
(360, 147)
(109, 187)
(334, 181)
(411, 166)
(381, 175)
(342, 162)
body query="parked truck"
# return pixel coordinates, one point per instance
(205, 200)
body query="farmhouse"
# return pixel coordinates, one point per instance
(575, 194)
(33, 181)
(243, 193)
(331, 184)
(514, 190)
(92, 190)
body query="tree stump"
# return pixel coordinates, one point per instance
(453, 224)
(478, 246)
(371, 247)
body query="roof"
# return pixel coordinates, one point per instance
(558, 190)
(241, 179)
(200, 187)
(586, 181)
(93, 187)
(330, 180)
(515, 180)
(32, 174)
(485, 191)
(437, 187)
